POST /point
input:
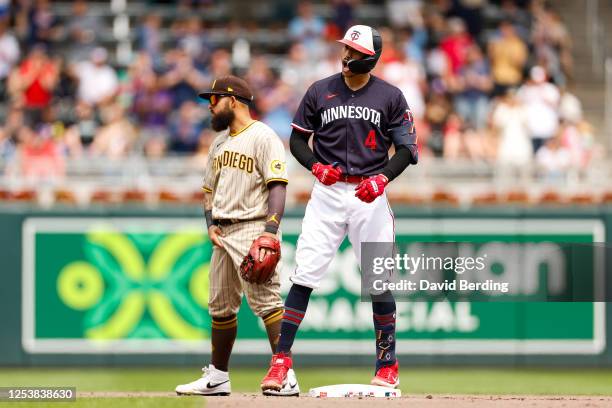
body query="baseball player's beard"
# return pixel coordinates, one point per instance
(221, 120)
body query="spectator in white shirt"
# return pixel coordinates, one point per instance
(553, 160)
(509, 118)
(570, 107)
(541, 99)
(98, 82)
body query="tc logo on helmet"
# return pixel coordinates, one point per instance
(355, 35)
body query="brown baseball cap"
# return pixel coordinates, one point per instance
(230, 85)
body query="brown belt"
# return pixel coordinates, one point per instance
(224, 222)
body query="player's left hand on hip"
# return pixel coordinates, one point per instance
(372, 187)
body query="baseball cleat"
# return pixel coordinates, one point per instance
(277, 374)
(387, 376)
(212, 382)
(290, 389)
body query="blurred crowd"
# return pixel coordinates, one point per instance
(496, 90)
(482, 85)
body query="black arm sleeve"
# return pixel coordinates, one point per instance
(276, 205)
(298, 144)
(404, 156)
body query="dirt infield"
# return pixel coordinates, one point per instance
(431, 401)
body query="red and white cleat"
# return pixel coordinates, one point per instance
(387, 376)
(277, 374)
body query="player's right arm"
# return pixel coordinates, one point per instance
(326, 173)
(298, 145)
(214, 232)
(304, 124)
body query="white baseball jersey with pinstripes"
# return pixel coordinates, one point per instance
(239, 168)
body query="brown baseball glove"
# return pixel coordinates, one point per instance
(255, 271)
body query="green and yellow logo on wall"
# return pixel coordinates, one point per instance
(135, 285)
(120, 285)
(103, 281)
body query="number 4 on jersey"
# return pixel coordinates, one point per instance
(370, 140)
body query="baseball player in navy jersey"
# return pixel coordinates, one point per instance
(354, 119)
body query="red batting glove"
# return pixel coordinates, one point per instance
(326, 173)
(372, 187)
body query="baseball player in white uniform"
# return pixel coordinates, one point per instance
(354, 119)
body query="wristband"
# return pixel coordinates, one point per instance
(271, 228)
(272, 224)
(209, 219)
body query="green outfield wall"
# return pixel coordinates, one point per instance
(127, 285)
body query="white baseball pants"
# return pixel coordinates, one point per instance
(332, 213)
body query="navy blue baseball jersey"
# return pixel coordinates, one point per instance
(355, 128)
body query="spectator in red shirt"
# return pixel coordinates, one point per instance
(456, 44)
(33, 82)
(39, 157)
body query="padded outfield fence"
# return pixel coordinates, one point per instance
(129, 286)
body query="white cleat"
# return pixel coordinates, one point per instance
(212, 382)
(290, 389)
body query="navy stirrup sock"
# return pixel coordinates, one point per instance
(295, 309)
(384, 326)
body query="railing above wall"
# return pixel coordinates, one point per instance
(178, 179)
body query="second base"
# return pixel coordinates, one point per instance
(354, 390)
